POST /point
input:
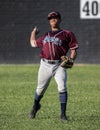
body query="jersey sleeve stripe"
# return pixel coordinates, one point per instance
(75, 47)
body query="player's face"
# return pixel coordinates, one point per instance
(54, 22)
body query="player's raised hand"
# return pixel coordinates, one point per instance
(35, 30)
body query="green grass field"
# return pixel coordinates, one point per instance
(17, 86)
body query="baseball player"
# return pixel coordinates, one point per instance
(54, 44)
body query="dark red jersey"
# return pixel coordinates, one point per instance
(56, 43)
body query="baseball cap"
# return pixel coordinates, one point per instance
(54, 14)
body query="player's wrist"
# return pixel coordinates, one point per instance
(33, 32)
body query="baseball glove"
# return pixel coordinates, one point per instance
(66, 62)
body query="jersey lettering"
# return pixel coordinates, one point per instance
(53, 40)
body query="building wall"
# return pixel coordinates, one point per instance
(18, 18)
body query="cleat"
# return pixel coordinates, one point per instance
(32, 114)
(63, 117)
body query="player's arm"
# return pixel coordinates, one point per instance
(33, 37)
(73, 45)
(73, 54)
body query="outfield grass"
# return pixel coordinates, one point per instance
(18, 83)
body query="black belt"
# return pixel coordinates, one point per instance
(51, 61)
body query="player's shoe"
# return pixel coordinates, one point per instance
(34, 111)
(63, 117)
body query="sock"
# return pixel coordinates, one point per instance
(63, 108)
(37, 99)
(63, 102)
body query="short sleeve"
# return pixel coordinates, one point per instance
(39, 41)
(73, 44)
